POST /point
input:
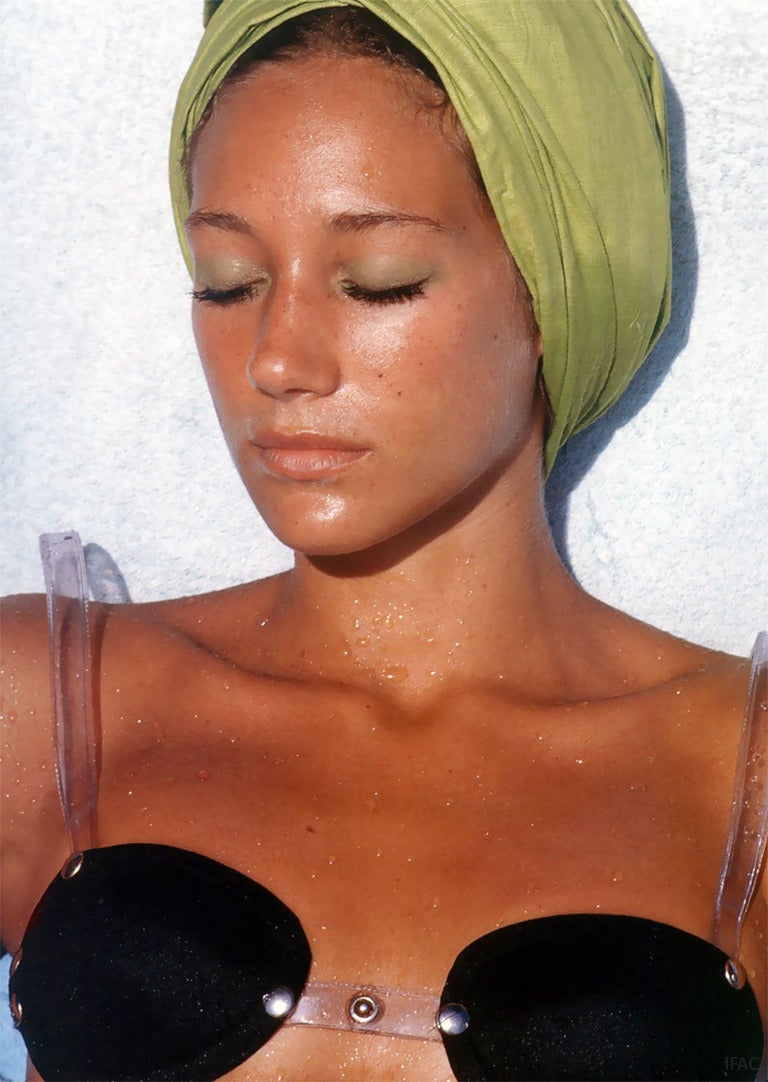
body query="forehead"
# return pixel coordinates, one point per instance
(326, 122)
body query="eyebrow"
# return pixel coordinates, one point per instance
(346, 222)
(219, 219)
(349, 222)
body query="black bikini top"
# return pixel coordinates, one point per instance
(146, 962)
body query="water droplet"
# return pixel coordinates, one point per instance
(617, 877)
(395, 673)
(203, 775)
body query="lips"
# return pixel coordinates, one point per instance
(305, 456)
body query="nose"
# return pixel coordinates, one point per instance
(293, 354)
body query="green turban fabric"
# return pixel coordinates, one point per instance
(563, 103)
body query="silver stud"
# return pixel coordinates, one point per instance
(280, 1002)
(452, 1019)
(735, 973)
(16, 1010)
(72, 866)
(15, 962)
(364, 1008)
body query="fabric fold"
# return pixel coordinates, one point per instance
(563, 104)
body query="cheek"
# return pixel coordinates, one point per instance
(222, 348)
(448, 373)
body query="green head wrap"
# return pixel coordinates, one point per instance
(563, 104)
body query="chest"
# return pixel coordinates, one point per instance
(396, 839)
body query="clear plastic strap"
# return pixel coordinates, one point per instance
(71, 686)
(368, 1009)
(748, 831)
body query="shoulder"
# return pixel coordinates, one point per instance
(648, 663)
(707, 728)
(25, 695)
(33, 827)
(693, 699)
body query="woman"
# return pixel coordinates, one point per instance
(400, 319)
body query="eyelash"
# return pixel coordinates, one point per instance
(224, 297)
(392, 295)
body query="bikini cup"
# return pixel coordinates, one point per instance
(150, 962)
(147, 962)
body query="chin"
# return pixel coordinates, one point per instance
(327, 530)
(336, 529)
(318, 542)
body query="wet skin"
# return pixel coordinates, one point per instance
(427, 729)
(376, 307)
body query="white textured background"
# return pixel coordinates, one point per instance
(661, 508)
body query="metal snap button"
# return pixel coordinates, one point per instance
(280, 1002)
(72, 866)
(735, 974)
(364, 1008)
(15, 962)
(452, 1019)
(16, 1011)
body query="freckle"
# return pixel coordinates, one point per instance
(309, 829)
(203, 775)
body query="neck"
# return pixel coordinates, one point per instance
(479, 596)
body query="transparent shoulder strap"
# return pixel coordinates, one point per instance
(71, 684)
(748, 831)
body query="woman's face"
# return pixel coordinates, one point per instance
(364, 332)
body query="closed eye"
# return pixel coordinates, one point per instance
(390, 295)
(223, 297)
